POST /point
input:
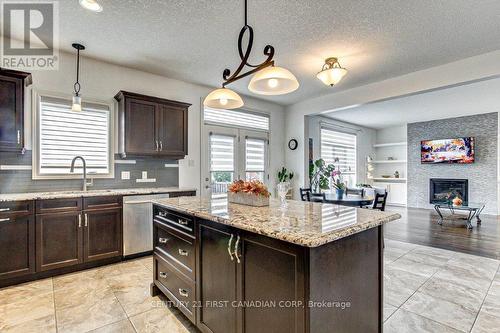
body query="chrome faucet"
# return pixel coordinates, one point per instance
(84, 171)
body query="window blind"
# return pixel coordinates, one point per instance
(64, 134)
(255, 154)
(236, 118)
(221, 153)
(342, 146)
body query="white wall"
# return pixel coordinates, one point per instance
(469, 69)
(101, 81)
(365, 138)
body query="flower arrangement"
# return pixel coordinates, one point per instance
(337, 180)
(251, 187)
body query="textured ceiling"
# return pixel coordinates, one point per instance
(195, 40)
(464, 100)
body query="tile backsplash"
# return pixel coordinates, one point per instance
(160, 172)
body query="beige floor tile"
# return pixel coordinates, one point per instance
(92, 313)
(486, 324)
(495, 288)
(147, 262)
(27, 309)
(81, 279)
(135, 300)
(485, 266)
(406, 322)
(45, 324)
(122, 326)
(469, 298)
(450, 314)
(25, 290)
(399, 285)
(388, 311)
(491, 306)
(435, 252)
(464, 275)
(86, 293)
(161, 320)
(414, 264)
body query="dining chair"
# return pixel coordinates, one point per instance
(380, 201)
(303, 193)
(315, 197)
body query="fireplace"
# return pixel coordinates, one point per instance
(441, 190)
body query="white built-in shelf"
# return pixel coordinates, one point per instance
(388, 162)
(392, 144)
(382, 179)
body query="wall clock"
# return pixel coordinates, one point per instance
(292, 144)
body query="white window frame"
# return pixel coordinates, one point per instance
(36, 102)
(334, 129)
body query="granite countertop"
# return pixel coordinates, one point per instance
(303, 223)
(90, 193)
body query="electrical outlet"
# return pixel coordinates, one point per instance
(125, 175)
(144, 175)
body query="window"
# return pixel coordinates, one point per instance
(255, 159)
(237, 118)
(63, 134)
(342, 146)
(222, 166)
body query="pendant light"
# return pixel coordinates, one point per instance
(77, 100)
(332, 72)
(268, 79)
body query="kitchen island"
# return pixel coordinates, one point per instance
(303, 267)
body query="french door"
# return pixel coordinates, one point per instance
(229, 154)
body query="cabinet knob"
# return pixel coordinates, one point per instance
(183, 292)
(163, 275)
(183, 222)
(183, 252)
(162, 240)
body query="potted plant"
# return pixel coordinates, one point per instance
(319, 175)
(283, 186)
(338, 184)
(250, 193)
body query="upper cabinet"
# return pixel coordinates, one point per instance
(12, 85)
(152, 126)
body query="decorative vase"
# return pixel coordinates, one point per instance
(282, 190)
(340, 193)
(248, 199)
(457, 202)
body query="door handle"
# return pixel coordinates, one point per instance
(183, 292)
(79, 220)
(18, 137)
(183, 252)
(162, 240)
(236, 249)
(86, 220)
(229, 247)
(161, 146)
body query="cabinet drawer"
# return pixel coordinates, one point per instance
(112, 201)
(179, 290)
(177, 221)
(17, 208)
(177, 249)
(58, 205)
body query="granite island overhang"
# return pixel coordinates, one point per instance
(303, 267)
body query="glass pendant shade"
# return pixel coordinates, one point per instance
(77, 104)
(92, 5)
(332, 73)
(223, 98)
(273, 81)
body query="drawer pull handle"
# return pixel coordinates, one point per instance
(183, 292)
(163, 240)
(163, 275)
(183, 252)
(4, 209)
(183, 222)
(229, 247)
(162, 214)
(5, 220)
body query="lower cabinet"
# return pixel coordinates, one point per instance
(102, 234)
(59, 240)
(17, 245)
(248, 283)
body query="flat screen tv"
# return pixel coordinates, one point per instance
(458, 150)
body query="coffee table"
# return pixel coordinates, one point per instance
(474, 210)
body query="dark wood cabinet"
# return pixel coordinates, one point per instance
(59, 240)
(12, 85)
(152, 126)
(102, 234)
(217, 276)
(17, 239)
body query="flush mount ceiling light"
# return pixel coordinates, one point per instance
(268, 80)
(77, 100)
(332, 72)
(91, 5)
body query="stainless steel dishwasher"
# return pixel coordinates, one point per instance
(138, 223)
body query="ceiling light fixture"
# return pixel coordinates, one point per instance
(77, 100)
(268, 79)
(91, 5)
(332, 72)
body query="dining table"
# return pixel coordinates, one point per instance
(352, 200)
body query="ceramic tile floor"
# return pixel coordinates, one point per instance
(426, 290)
